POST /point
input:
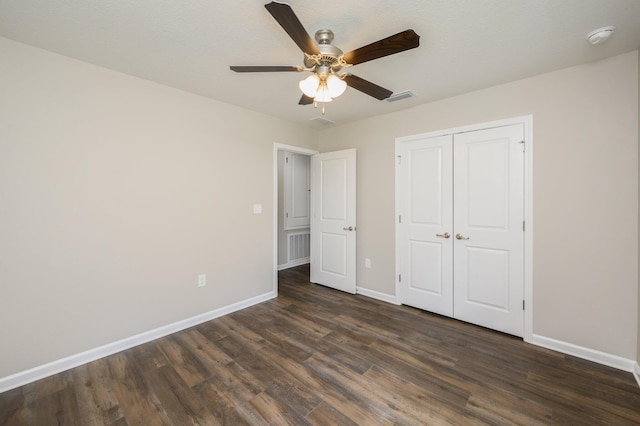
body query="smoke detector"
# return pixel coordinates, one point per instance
(600, 35)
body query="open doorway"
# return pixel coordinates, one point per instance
(291, 208)
(332, 214)
(294, 209)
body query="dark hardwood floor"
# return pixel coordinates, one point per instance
(322, 357)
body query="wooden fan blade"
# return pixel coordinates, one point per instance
(305, 100)
(387, 46)
(292, 25)
(367, 87)
(264, 68)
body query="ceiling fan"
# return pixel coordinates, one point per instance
(325, 61)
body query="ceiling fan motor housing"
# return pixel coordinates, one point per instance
(329, 54)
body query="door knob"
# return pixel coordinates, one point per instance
(461, 237)
(348, 229)
(445, 235)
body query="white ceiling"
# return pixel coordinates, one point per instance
(465, 45)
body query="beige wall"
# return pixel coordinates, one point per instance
(585, 125)
(638, 313)
(115, 193)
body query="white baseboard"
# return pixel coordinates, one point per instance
(377, 295)
(42, 371)
(585, 353)
(636, 372)
(294, 264)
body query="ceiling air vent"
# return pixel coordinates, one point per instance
(400, 95)
(321, 120)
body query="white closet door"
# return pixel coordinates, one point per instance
(426, 224)
(469, 187)
(333, 220)
(488, 227)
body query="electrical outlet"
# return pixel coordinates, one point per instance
(367, 263)
(202, 280)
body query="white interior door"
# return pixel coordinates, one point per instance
(333, 219)
(426, 224)
(488, 227)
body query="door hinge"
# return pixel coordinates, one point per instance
(399, 218)
(523, 145)
(286, 159)
(523, 227)
(523, 304)
(286, 215)
(399, 278)
(399, 159)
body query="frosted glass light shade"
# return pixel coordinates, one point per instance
(322, 95)
(309, 85)
(336, 85)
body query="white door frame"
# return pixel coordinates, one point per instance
(527, 122)
(295, 149)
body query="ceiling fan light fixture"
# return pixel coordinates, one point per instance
(323, 95)
(336, 85)
(310, 85)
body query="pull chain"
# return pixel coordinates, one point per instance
(315, 105)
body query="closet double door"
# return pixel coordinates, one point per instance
(460, 235)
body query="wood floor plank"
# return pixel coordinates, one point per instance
(609, 395)
(505, 408)
(444, 381)
(224, 410)
(594, 407)
(235, 382)
(52, 384)
(177, 399)
(289, 342)
(326, 415)
(273, 412)
(381, 406)
(137, 401)
(183, 361)
(310, 326)
(212, 330)
(293, 395)
(292, 341)
(252, 342)
(410, 399)
(235, 396)
(148, 356)
(278, 383)
(318, 356)
(97, 402)
(17, 406)
(58, 408)
(210, 355)
(330, 392)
